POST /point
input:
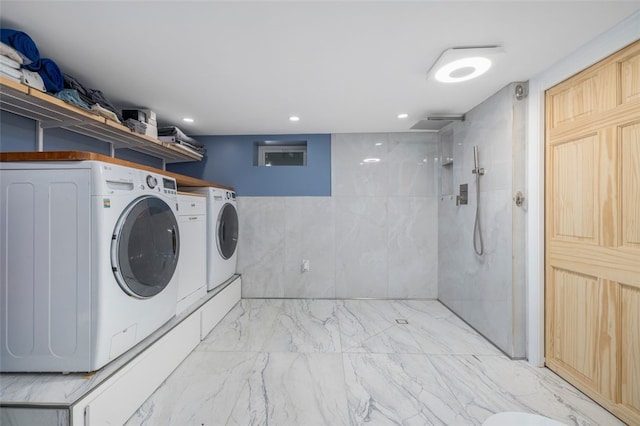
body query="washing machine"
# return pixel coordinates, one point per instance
(89, 251)
(222, 234)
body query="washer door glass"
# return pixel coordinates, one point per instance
(227, 231)
(145, 247)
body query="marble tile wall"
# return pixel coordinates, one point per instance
(486, 291)
(375, 237)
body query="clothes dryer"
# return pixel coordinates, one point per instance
(222, 234)
(88, 255)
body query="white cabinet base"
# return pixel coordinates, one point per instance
(217, 308)
(117, 397)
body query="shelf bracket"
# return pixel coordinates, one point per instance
(39, 136)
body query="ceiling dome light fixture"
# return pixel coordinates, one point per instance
(371, 160)
(463, 69)
(464, 63)
(187, 120)
(294, 118)
(403, 115)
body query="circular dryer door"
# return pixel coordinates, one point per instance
(227, 231)
(145, 247)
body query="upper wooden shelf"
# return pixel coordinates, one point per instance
(53, 112)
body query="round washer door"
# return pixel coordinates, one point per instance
(145, 247)
(227, 227)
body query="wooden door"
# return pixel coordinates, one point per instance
(592, 230)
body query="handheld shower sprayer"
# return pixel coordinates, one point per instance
(478, 245)
(476, 165)
(475, 157)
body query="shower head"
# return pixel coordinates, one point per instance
(436, 122)
(446, 117)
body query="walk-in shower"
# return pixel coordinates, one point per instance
(481, 248)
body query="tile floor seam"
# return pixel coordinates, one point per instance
(241, 388)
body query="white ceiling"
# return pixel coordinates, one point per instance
(241, 67)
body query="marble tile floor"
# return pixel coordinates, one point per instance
(333, 362)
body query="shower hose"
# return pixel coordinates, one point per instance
(478, 245)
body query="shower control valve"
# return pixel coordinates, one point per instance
(463, 198)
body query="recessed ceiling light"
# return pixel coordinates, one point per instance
(403, 115)
(371, 160)
(294, 118)
(378, 143)
(464, 63)
(187, 120)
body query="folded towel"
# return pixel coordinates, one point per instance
(178, 134)
(51, 75)
(23, 44)
(6, 61)
(10, 77)
(99, 98)
(135, 125)
(11, 53)
(98, 109)
(72, 97)
(12, 72)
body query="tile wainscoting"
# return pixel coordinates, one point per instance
(375, 237)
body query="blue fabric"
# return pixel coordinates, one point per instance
(23, 44)
(51, 75)
(72, 96)
(48, 70)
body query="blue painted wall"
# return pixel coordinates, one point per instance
(16, 133)
(19, 134)
(229, 161)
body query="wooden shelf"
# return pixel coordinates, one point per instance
(181, 180)
(25, 101)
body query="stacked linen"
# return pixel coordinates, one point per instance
(136, 125)
(95, 100)
(9, 67)
(17, 44)
(173, 134)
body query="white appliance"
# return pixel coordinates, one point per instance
(222, 234)
(192, 266)
(88, 255)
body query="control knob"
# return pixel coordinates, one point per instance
(151, 181)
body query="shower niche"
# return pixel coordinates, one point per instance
(446, 162)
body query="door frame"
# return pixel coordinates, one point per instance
(624, 33)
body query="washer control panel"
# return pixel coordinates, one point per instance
(169, 186)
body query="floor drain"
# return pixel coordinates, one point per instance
(402, 321)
